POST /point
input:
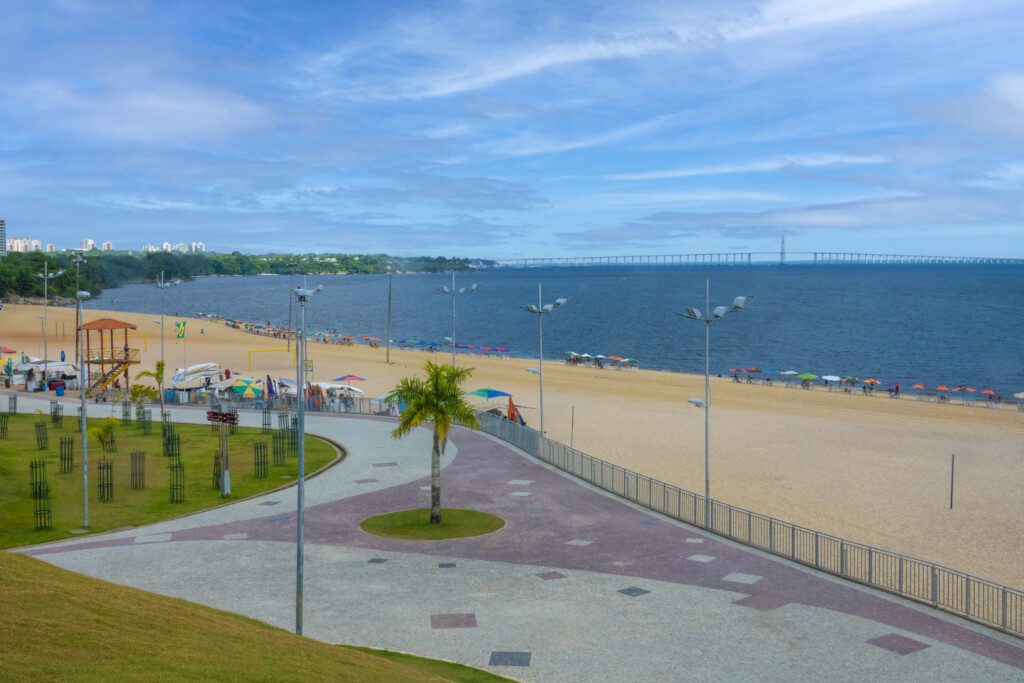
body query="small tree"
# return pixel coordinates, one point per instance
(440, 400)
(157, 375)
(140, 393)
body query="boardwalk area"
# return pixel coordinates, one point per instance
(578, 586)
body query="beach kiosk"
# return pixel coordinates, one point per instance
(107, 353)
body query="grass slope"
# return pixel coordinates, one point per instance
(130, 508)
(57, 625)
(415, 524)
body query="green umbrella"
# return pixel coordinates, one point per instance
(807, 375)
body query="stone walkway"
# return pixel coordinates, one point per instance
(579, 585)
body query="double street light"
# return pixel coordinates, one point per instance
(46, 276)
(163, 285)
(454, 293)
(303, 296)
(540, 310)
(83, 383)
(710, 316)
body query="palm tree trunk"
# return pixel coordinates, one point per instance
(435, 482)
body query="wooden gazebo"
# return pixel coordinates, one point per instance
(111, 353)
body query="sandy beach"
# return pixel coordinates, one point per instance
(870, 469)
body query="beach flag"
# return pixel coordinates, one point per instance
(179, 328)
(513, 413)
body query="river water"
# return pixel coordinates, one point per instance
(931, 324)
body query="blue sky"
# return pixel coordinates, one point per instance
(501, 129)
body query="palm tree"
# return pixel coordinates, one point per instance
(441, 400)
(157, 376)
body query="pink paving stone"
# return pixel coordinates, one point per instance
(547, 576)
(453, 620)
(901, 645)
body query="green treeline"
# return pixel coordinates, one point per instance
(110, 269)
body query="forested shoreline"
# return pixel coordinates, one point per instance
(102, 270)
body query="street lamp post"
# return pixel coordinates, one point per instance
(46, 276)
(163, 285)
(303, 295)
(78, 261)
(540, 310)
(710, 316)
(388, 356)
(454, 293)
(81, 296)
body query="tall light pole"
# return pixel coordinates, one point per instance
(540, 310)
(78, 260)
(81, 296)
(388, 357)
(46, 276)
(163, 285)
(711, 316)
(454, 293)
(303, 295)
(291, 288)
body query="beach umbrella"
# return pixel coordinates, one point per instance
(917, 386)
(831, 378)
(246, 388)
(501, 348)
(615, 358)
(488, 393)
(753, 370)
(966, 388)
(942, 387)
(7, 350)
(789, 372)
(735, 369)
(989, 392)
(871, 381)
(807, 375)
(1019, 394)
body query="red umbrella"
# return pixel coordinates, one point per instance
(501, 348)
(753, 370)
(989, 392)
(917, 386)
(736, 370)
(965, 388)
(942, 387)
(7, 350)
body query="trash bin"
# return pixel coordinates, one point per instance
(60, 389)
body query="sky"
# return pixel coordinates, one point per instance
(516, 129)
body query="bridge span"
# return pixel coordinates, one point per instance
(746, 258)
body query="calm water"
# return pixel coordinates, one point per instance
(935, 324)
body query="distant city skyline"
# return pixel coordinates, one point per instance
(527, 129)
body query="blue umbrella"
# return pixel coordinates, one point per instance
(488, 393)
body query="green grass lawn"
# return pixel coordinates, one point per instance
(58, 625)
(130, 507)
(415, 524)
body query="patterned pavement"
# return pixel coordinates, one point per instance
(579, 585)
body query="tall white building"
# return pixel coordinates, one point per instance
(22, 244)
(3, 237)
(88, 245)
(50, 248)
(107, 246)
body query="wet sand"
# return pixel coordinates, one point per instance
(870, 469)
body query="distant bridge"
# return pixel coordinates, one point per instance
(746, 258)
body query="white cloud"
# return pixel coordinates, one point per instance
(147, 110)
(792, 15)
(756, 166)
(528, 145)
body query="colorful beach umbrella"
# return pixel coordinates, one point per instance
(349, 378)
(1019, 394)
(989, 392)
(871, 381)
(488, 393)
(942, 387)
(831, 378)
(246, 388)
(7, 350)
(807, 375)
(917, 386)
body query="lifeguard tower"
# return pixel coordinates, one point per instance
(113, 358)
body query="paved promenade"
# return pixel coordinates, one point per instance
(579, 586)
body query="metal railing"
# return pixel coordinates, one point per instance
(985, 602)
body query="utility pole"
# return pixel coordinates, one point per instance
(388, 357)
(46, 276)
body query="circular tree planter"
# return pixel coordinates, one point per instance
(414, 525)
